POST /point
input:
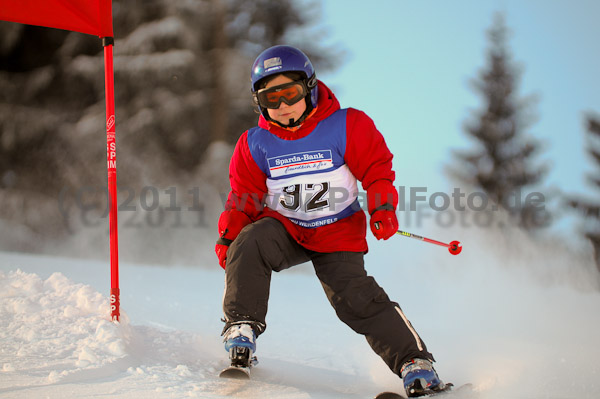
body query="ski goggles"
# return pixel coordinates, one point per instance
(289, 93)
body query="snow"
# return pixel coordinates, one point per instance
(517, 324)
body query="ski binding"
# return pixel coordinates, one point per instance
(241, 363)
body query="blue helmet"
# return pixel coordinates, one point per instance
(280, 59)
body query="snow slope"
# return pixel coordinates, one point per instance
(518, 324)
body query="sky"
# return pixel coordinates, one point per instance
(410, 63)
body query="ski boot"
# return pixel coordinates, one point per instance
(240, 342)
(420, 379)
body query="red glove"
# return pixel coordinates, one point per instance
(382, 200)
(384, 224)
(221, 251)
(231, 222)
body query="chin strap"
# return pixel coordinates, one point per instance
(291, 123)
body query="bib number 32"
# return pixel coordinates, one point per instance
(312, 193)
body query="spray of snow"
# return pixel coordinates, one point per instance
(517, 316)
(55, 323)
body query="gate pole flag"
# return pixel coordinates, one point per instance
(93, 17)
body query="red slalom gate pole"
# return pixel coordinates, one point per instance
(454, 247)
(111, 157)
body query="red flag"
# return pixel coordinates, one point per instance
(86, 16)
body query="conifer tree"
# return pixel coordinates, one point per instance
(590, 210)
(181, 81)
(182, 71)
(501, 164)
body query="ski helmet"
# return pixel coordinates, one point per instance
(281, 59)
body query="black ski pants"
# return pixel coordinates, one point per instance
(265, 246)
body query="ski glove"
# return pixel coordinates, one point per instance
(384, 223)
(382, 200)
(231, 222)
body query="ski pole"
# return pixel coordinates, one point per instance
(454, 247)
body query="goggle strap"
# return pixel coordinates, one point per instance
(311, 82)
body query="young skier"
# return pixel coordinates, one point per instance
(294, 198)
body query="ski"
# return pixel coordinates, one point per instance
(236, 372)
(389, 395)
(448, 391)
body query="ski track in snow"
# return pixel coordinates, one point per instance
(512, 333)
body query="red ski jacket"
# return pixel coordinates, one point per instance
(366, 155)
